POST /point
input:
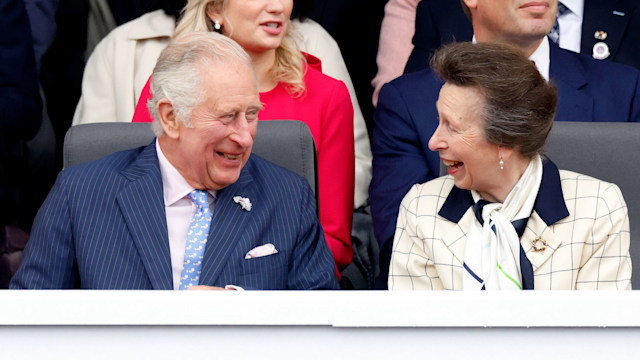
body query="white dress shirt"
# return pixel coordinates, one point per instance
(571, 25)
(179, 209)
(540, 57)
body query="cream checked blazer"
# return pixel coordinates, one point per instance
(586, 248)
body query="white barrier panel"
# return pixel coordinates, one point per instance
(78, 324)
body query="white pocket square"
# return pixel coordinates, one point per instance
(260, 251)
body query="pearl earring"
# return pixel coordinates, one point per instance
(501, 163)
(217, 26)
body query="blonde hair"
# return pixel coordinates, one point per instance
(289, 66)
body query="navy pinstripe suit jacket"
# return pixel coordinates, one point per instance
(103, 226)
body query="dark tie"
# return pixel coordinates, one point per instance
(554, 35)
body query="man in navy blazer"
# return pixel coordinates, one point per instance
(406, 116)
(122, 222)
(440, 22)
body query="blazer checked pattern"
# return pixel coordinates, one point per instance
(582, 220)
(103, 226)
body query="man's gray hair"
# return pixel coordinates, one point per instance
(178, 73)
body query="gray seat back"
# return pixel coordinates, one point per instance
(608, 151)
(287, 143)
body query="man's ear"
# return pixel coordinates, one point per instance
(168, 119)
(471, 4)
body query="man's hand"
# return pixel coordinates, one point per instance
(206, 287)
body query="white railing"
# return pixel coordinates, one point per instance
(319, 325)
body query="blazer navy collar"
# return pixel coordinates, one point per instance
(549, 203)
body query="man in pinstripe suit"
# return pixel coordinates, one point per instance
(121, 222)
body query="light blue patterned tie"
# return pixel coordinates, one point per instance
(554, 35)
(196, 240)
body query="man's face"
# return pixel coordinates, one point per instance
(211, 153)
(512, 21)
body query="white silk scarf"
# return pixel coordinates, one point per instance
(492, 250)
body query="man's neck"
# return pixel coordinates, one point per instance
(527, 46)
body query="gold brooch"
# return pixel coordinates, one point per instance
(600, 35)
(539, 244)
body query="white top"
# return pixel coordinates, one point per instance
(571, 25)
(540, 57)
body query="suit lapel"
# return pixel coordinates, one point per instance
(599, 16)
(228, 225)
(565, 71)
(458, 209)
(455, 238)
(142, 205)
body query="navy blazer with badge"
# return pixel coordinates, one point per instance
(103, 226)
(621, 21)
(440, 22)
(406, 117)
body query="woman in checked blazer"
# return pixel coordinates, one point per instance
(505, 218)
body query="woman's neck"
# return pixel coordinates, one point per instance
(262, 64)
(508, 178)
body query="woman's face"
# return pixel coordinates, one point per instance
(460, 139)
(257, 25)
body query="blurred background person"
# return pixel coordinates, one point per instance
(355, 25)
(602, 29)
(20, 106)
(396, 31)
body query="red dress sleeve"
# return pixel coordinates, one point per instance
(336, 171)
(142, 112)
